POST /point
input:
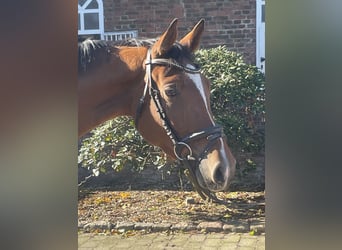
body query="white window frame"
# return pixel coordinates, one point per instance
(82, 10)
(120, 35)
(260, 36)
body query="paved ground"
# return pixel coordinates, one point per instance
(177, 241)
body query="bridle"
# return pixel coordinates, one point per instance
(211, 133)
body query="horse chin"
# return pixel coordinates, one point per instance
(201, 180)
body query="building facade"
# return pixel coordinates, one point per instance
(237, 24)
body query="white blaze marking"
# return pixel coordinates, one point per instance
(196, 78)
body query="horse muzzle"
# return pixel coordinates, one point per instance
(215, 176)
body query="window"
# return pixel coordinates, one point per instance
(90, 18)
(260, 35)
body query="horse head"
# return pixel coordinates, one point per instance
(174, 111)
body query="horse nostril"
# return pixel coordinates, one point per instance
(219, 176)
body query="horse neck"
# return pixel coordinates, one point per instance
(113, 89)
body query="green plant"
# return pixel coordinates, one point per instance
(116, 144)
(237, 97)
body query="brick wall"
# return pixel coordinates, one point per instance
(228, 22)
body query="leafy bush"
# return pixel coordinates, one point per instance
(116, 144)
(237, 97)
(237, 100)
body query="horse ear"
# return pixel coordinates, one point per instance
(166, 40)
(192, 39)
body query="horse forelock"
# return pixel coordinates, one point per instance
(178, 51)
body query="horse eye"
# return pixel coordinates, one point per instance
(171, 91)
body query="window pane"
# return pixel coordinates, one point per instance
(263, 13)
(93, 5)
(79, 22)
(81, 2)
(91, 21)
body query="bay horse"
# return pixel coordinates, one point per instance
(158, 84)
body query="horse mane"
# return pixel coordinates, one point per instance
(135, 42)
(89, 49)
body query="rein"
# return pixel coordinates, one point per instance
(211, 133)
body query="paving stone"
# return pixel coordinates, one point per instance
(80, 225)
(244, 248)
(89, 244)
(215, 235)
(148, 237)
(179, 226)
(83, 238)
(103, 225)
(228, 227)
(227, 246)
(118, 244)
(143, 226)
(171, 248)
(242, 228)
(211, 226)
(249, 242)
(143, 242)
(260, 243)
(159, 245)
(231, 238)
(207, 248)
(124, 226)
(197, 237)
(188, 227)
(236, 227)
(260, 247)
(161, 227)
(192, 245)
(212, 242)
(156, 241)
(163, 239)
(179, 239)
(257, 226)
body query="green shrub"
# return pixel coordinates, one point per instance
(116, 144)
(237, 98)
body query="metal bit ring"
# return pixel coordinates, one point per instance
(185, 145)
